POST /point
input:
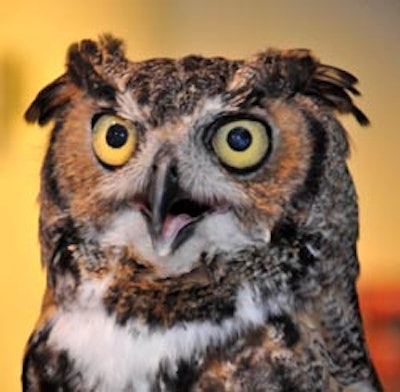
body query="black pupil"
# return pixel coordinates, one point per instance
(117, 135)
(239, 139)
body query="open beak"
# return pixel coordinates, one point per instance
(171, 214)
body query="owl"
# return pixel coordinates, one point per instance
(198, 225)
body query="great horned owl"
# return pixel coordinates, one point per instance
(198, 224)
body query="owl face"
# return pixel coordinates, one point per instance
(174, 162)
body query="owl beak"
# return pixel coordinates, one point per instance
(171, 214)
(163, 190)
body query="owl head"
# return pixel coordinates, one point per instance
(175, 161)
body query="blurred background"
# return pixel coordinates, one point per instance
(362, 36)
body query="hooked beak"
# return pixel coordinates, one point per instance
(171, 214)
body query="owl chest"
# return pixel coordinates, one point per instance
(105, 355)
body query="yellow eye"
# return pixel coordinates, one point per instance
(114, 140)
(242, 144)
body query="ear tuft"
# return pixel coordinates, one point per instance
(284, 73)
(91, 66)
(334, 87)
(49, 102)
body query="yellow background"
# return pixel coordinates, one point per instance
(362, 36)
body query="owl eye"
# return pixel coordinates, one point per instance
(113, 139)
(241, 144)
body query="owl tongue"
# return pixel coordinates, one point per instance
(172, 232)
(173, 224)
(178, 224)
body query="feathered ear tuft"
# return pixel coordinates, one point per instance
(334, 86)
(284, 73)
(49, 102)
(90, 67)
